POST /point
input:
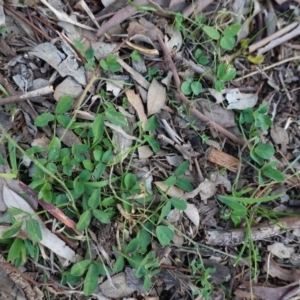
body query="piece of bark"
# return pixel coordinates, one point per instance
(262, 231)
(223, 159)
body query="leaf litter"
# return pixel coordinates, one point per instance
(174, 153)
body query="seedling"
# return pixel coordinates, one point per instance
(189, 86)
(110, 63)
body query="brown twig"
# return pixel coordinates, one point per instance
(260, 232)
(46, 36)
(28, 95)
(193, 110)
(35, 33)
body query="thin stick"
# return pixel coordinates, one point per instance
(268, 68)
(28, 95)
(272, 37)
(46, 36)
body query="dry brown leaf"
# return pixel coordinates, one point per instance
(135, 75)
(171, 191)
(273, 269)
(280, 250)
(136, 102)
(156, 98)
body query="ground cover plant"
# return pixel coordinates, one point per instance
(149, 150)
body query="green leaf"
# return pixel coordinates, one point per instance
(133, 245)
(2, 160)
(182, 168)
(54, 149)
(180, 204)
(101, 216)
(89, 53)
(135, 56)
(273, 174)
(78, 186)
(232, 30)
(51, 167)
(184, 184)
(203, 60)
(12, 230)
(119, 264)
(269, 170)
(88, 165)
(211, 32)
(79, 45)
(238, 208)
(230, 74)
(129, 180)
(170, 181)
(227, 42)
(152, 123)
(164, 235)
(265, 151)
(15, 249)
(147, 283)
(99, 170)
(255, 157)
(165, 211)
(95, 199)
(84, 220)
(43, 119)
(34, 230)
(103, 64)
(248, 200)
(198, 53)
(64, 104)
(186, 88)
(78, 269)
(196, 87)
(98, 128)
(107, 156)
(154, 144)
(91, 280)
(221, 71)
(63, 120)
(219, 85)
(101, 268)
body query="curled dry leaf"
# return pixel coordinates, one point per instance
(156, 98)
(192, 213)
(49, 240)
(244, 31)
(136, 102)
(173, 39)
(241, 101)
(273, 269)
